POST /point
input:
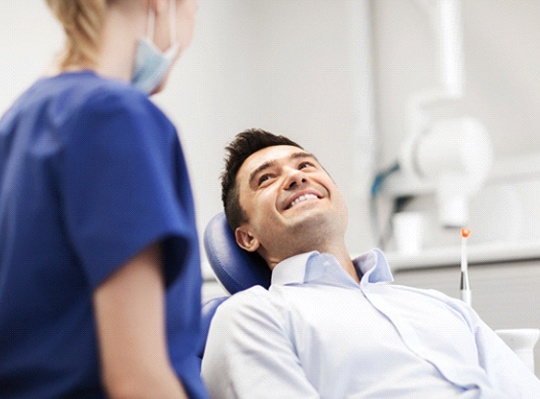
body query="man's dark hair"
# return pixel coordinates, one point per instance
(244, 144)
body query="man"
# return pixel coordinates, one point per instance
(329, 326)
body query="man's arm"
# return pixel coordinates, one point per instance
(249, 353)
(506, 371)
(130, 315)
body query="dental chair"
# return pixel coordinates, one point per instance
(235, 269)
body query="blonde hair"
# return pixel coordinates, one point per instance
(83, 22)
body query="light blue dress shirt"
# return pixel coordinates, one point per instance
(316, 333)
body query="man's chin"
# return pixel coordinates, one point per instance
(309, 219)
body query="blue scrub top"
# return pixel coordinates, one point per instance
(91, 172)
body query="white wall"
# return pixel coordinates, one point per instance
(298, 68)
(28, 38)
(294, 67)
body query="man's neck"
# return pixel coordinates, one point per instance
(339, 251)
(348, 266)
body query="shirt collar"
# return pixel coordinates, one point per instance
(374, 267)
(371, 266)
(292, 270)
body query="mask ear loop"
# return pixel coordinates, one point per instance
(151, 24)
(172, 24)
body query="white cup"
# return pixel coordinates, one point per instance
(522, 342)
(408, 232)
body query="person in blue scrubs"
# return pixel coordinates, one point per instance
(99, 256)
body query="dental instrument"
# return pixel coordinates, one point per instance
(464, 286)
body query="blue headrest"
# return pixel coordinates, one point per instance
(235, 268)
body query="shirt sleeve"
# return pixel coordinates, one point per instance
(248, 353)
(506, 371)
(118, 183)
(506, 374)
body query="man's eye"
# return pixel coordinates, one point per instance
(304, 165)
(263, 178)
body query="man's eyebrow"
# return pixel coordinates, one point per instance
(269, 164)
(259, 169)
(302, 155)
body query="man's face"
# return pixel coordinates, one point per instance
(290, 202)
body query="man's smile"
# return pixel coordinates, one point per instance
(302, 197)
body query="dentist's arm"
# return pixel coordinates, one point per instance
(130, 316)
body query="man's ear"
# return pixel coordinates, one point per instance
(245, 239)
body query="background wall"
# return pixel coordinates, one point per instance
(335, 76)
(299, 68)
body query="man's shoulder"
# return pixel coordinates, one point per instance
(253, 303)
(423, 291)
(452, 303)
(251, 297)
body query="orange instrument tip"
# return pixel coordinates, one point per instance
(465, 232)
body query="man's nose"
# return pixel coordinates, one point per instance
(295, 178)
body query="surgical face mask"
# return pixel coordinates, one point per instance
(151, 64)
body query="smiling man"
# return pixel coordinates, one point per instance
(293, 206)
(331, 326)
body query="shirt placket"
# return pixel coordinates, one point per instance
(375, 294)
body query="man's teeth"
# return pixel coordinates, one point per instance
(303, 198)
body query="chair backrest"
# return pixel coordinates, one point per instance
(208, 309)
(235, 268)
